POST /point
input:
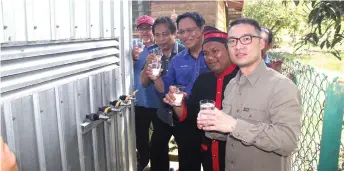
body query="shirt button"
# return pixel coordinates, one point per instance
(232, 145)
(238, 110)
(218, 92)
(214, 155)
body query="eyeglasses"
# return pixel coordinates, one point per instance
(142, 29)
(245, 40)
(189, 31)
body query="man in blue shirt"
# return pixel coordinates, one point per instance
(164, 31)
(147, 100)
(183, 70)
(188, 64)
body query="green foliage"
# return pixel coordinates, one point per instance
(308, 23)
(278, 17)
(326, 21)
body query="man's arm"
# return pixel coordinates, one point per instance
(281, 135)
(159, 85)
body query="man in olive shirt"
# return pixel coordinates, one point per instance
(261, 108)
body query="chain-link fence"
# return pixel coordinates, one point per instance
(312, 85)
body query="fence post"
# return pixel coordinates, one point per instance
(332, 128)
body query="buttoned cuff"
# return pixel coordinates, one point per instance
(242, 131)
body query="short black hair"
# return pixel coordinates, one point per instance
(199, 20)
(248, 21)
(165, 20)
(269, 33)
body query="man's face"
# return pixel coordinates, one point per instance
(163, 37)
(247, 50)
(145, 32)
(216, 56)
(267, 46)
(189, 33)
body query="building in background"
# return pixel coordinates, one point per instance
(215, 13)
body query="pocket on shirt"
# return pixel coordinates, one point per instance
(184, 76)
(253, 114)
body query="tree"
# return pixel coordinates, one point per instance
(277, 16)
(326, 19)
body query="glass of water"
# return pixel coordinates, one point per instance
(179, 95)
(156, 66)
(139, 44)
(207, 105)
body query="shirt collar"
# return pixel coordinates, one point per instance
(228, 71)
(253, 77)
(199, 54)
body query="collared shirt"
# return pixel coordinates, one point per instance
(164, 110)
(213, 150)
(267, 107)
(146, 97)
(184, 70)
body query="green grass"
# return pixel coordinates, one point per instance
(323, 60)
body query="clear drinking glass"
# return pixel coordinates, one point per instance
(206, 105)
(139, 44)
(156, 66)
(179, 95)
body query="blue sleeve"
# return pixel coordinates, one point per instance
(170, 77)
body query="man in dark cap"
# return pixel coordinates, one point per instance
(209, 86)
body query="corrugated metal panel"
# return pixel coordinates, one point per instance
(41, 20)
(51, 81)
(80, 19)
(49, 128)
(14, 18)
(25, 133)
(22, 72)
(95, 19)
(62, 18)
(38, 20)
